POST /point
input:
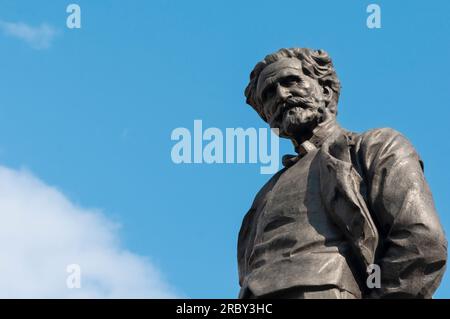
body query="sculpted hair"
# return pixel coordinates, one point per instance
(315, 63)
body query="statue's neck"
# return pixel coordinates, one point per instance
(316, 134)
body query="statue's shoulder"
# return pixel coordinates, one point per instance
(267, 187)
(366, 142)
(382, 143)
(379, 134)
(381, 137)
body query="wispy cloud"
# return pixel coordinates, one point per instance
(42, 231)
(38, 37)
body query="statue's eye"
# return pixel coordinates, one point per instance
(290, 81)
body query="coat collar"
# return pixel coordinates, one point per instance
(319, 136)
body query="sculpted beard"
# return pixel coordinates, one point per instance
(297, 115)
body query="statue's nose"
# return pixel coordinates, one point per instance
(283, 93)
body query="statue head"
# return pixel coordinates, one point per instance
(294, 90)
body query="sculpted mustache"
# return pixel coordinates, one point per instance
(297, 102)
(289, 104)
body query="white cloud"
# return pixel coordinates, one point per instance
(41, 232)
(38, 38)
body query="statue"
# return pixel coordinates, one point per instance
(344, 203)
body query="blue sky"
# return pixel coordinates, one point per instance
(92, 112)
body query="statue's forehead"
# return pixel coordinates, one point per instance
(274, 68)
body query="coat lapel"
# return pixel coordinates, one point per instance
(341, 194)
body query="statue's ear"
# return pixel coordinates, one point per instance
(328, 94)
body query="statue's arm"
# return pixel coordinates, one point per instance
(413, 249)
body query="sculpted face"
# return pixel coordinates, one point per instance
(292, 101)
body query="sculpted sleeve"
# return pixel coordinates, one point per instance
(413, 250)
